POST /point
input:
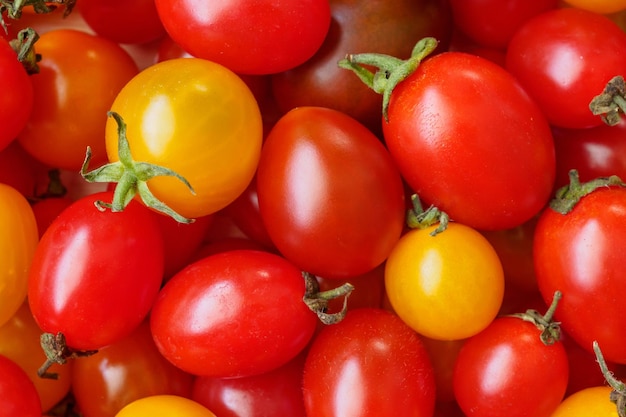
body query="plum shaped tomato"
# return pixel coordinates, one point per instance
(329, 194)
(248, 36)
(578, 249)
(465, 135)
(370, 364)
(18, 241)
(233, 314)
(448, 286)
(95, 274)
(194, 117)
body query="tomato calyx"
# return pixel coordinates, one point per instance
(24, 47)
(131, 178)
(618, 388)
(57, 351)
(420, 218)
(390, 70)
(550, 330)
(569, 195)
(318, 300)
(13, 8)
(611, 103)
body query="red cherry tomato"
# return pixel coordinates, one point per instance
(18, 393)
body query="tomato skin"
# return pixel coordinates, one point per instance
(581, 254)
(592, 401)
(223, 315)
(17, 95)
(564, 58)
(500, 370)
(220, 31)
(165, 405)
(446, 287)
(599, 6)
(123, 372)
(19, 396)
(207, 129)
(459, 113)
(63, 92)
(369, 364)
(330, 197)
(18, 242)
(95, 274)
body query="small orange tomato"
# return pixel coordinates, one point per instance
(592, 401)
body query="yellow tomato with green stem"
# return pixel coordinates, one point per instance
(447, 285)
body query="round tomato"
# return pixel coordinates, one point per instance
(580, 252)
(95, 274)
(70, 108)
(289, 31)
(196, 118)
(329, 194)
(19, 396)
(370, 364)
(235, 313)
(464, 134)
(564, 58)
(164, 405)
(592, 401)
(448, 286)
(18, 242)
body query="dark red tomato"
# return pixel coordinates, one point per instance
(594, 152)
(18, 393)
(17, 95)
(492, 23)
(582, 254)
(460, 42)
(506, 370)
(125, 371)
(469, 140)
(389, 27)
(47, 209)
(369, 289)
(276, 393)
(95, 274)
(122, 21)
(289, 31)
(236, 313)
(226, 244)
(369, 364)
(564, 58)
(329, 194)
(22, 171)
(443, 354)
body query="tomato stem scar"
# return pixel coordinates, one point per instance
(610, 104)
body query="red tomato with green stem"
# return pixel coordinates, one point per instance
(291, 31)
(455, 113)
(330, 196)
(370, 364)
(564, 58)
(95, 274)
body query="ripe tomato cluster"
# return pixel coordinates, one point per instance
(312, 208)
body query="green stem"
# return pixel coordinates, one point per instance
(24, 46)
(317, 300)
(390, 70)
(618, 393)
(610, 104)
(57, 351)
(550, 330)
(418, 218)
(568, 196)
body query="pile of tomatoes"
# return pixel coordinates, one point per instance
(320, 208)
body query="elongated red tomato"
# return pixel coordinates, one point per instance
(95, 274)
(329, 194)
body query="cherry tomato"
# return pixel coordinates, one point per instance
(70, 108)
(236, 313)
(17, 95)
(564, 58)
(18, 242)
(198, 119)
(446, 287)
(47, 209)
(21, 171)
(330, 217)
(124, 372)
(369, 364)
(19, 396)
(95, 274)
(508, 370)
(598, 6)
(291, 31)
(165, 405)
(593, 401)
(581, 254)
(19, 341)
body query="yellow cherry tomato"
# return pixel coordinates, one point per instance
(166, 406)
(446, 287)
(198, 119)
(18, 239)
(588, 402)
